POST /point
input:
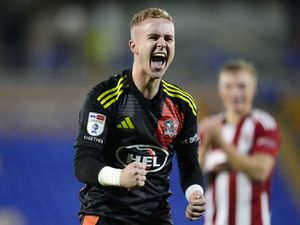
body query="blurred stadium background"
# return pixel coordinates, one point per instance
(53, 52)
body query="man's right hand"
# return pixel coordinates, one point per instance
(133, 175)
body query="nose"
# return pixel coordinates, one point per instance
(161, 43)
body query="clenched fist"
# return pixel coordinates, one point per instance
(196, 206)
(133, 175)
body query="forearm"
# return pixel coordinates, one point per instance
(190, 178)
(191, 182)
(90, 168)
(87, 165)
(201, 156)
(256, 167)
(190, 172)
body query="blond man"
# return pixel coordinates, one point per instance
(238, 151)
(130, 127)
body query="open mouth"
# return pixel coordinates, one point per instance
(158, 59)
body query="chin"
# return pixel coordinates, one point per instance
(158, 74)
(241, 111)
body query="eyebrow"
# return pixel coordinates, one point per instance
(152, 34)
(169, 35)
(155, 35)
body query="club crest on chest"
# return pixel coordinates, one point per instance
(171, 127)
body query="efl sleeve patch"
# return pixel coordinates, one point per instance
(96, 123)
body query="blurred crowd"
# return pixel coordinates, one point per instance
(90, 37)
(69, 44)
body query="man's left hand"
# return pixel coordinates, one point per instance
(196, 206)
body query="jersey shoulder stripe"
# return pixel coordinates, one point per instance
(265, 119)
(176, 92)
(111, 95)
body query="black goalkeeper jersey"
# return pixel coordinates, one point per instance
(118, 126)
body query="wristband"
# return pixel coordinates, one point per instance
(109, 176)
(191, 189)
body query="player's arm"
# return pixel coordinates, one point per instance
(91, 169)
(189, 169)
(191, 177)
(201, 155)
(191, 180)
(87, 164)
(205, 142)
(256, 166)
(90, 162)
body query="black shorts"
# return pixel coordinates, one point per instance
(96, 220)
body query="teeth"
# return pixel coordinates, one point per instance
(159, 54)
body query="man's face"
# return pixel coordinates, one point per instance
(237, 89)
(153, 45)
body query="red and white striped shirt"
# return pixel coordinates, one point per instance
(232, 198)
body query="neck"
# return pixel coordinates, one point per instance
(146, 84)
(234, 117)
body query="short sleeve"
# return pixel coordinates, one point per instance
(266, 140)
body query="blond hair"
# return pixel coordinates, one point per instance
(149, 13)
(236, 65)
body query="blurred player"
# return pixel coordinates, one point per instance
(130, 126)
(238, 152)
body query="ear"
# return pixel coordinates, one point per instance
(132, 46)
